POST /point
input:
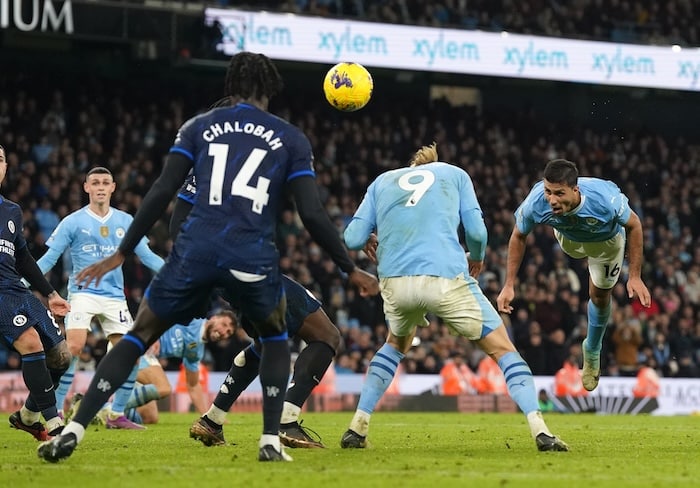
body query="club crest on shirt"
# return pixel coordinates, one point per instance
(119, 232)
(19, 320)
(104, 231)
(11, 226)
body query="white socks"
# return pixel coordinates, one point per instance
(360, 423)
(28, 417)
(216, 415)
(54, 424)
(76, 429)
(290, 413)
(537, 425)
(270, 440)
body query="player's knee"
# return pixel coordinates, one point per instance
(273, 326)
(58, 357)
(317, 327)
(75, 346)
(497, 344)
(164, 390)
(150, 331)
(332, 338)
(28, 342)
(400, 343)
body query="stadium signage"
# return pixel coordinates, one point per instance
(320, 40)
(44, 15)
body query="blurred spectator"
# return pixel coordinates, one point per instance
(343, 364)
(627, 337)
(46, 218)
(491, 380)
(567, 381)
(661, 351)
(457, 377)
(534, 351)
(687, 367)
(546, 404)
(647, 385)
(13, 361)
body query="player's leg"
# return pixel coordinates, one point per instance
(208, 429)
(145, 414)
(380, 374)
(152, 383)
(262, 300)
(78, 323)
(402, 308)
(116, 321)
(521, 385)
(75, 339)
(58, 359)
(111, 373)
(37, 379)
(27, 325)
(322, 339)
(467, 312)
(604, 265)
(177, 292)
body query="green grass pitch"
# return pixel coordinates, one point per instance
(407, 449)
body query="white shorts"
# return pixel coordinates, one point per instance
(459, 302)
(112, 313)
(604, 258)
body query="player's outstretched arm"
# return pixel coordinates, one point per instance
(516, 251)
(97, 270)
(635, 250)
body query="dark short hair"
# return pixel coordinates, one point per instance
(225, 312)
(561, 171)
(98, 170)
(252, 75)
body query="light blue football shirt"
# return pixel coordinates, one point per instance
(185, 342)
(416, 212)
(91, 238)
(604, 209)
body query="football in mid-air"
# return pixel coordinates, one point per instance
(348, 86)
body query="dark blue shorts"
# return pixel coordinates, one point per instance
(21, 310)
(300, 304)
(181, 290)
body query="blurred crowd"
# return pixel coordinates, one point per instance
(636, 21)
(54, 134)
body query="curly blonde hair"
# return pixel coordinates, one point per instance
(425, 155)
